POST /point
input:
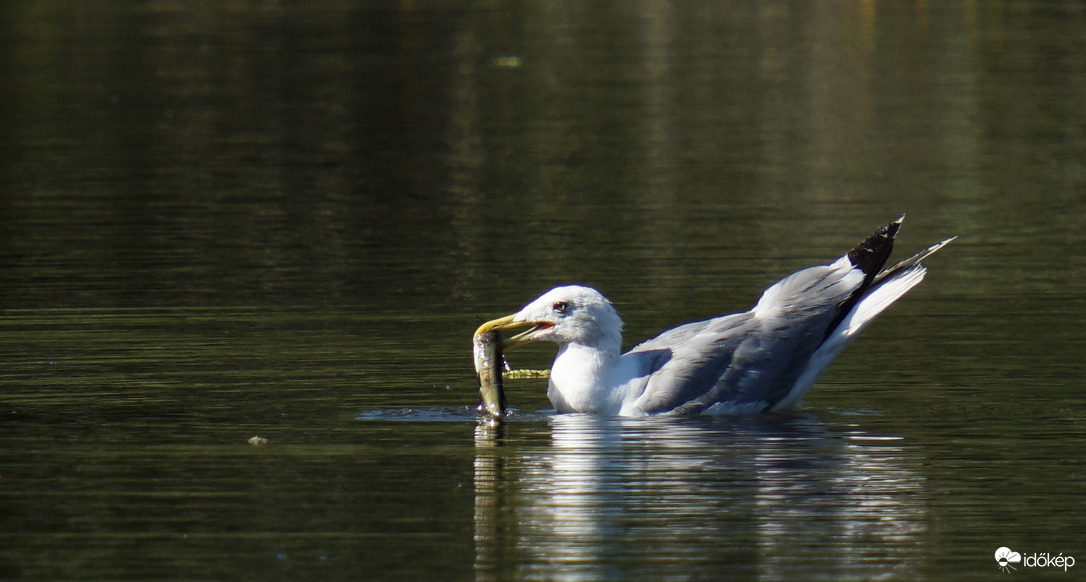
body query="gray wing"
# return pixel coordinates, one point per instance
(748, 359)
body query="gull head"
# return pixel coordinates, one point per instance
(564, 315)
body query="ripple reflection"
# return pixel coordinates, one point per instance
(666, 498)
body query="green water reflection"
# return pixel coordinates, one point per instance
(756, 498)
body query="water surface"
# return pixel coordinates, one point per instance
(255, 219)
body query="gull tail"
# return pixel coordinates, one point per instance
(887, 287)
(881, 288)
(913, 260)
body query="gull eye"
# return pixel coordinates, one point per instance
(560, 307)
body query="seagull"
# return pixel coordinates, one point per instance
(763, 360)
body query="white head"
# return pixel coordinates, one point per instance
(564, 315)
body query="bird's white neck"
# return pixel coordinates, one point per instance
(581, 378)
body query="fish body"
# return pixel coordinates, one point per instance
(487, 349)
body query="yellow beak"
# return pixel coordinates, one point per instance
(508, 323)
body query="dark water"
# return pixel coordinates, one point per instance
(219, 221)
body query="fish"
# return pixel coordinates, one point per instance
(489, 364)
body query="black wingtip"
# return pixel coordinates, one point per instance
(871, 254)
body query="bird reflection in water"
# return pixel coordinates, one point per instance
(611, 498)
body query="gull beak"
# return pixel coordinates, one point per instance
(508, 323)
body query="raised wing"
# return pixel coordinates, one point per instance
(748, 360)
